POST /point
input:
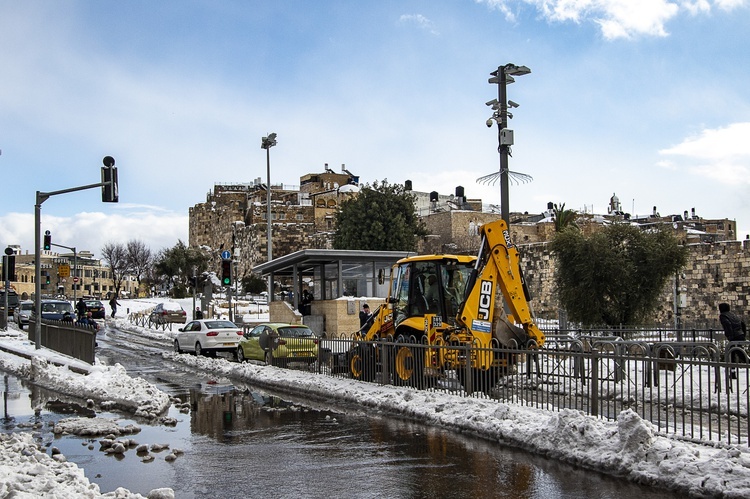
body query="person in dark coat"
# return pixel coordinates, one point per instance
(365, 316)
(734, 329)
(113, 303)
(81, 308)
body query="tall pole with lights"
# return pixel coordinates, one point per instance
(267, 143)
(503, 76)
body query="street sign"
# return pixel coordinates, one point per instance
(63, 270)
(225, 255)
(75, 279)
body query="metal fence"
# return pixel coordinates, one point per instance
(69, 338)
(697, 389)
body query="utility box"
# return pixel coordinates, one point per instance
(506, 137)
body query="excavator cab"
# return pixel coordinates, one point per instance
(428, 285)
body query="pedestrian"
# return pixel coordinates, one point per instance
(113, 303)
(365, 316)
(198, 313)
(67, 317)
(734, 330)
(81, 308)
(306, 302)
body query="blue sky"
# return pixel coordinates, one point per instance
(647, 99)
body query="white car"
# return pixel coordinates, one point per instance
(208, 336)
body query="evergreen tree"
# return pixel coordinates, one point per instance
(615, 275)
(175, 266)
(381, 217)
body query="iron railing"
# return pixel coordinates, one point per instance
(685, 388)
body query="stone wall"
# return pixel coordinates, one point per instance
(714, 273)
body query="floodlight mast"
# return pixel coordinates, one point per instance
(267, 143)
(503, 76)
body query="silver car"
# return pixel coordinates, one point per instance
(22, 312)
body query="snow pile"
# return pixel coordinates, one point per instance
(29, 472)
(110, 386)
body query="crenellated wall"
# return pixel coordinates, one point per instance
(714, 273)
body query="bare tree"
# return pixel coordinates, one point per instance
(140, 259)
(116, 257)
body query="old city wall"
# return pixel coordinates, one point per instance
(714, 273)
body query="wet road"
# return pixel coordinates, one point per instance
(239, 441)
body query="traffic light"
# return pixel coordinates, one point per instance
(46, 277)
(226, 272)
(9, 266)
(193, 281)
(47, 241)
(110, 192)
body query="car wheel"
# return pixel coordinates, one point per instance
(177, 348)
(240, 355)
(198, 350)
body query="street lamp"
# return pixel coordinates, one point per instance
(267, 143)
(503, 76)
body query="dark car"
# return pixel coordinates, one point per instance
(96, 308)
(12, 302)
(55, 310)
(168, 312)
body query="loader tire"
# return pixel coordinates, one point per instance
(361, 363)
(408, 366)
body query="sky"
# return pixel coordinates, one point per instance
(645, 99)
(627, 446)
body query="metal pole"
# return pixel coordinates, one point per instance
(75, 269)
(268, 219)
(6, 259)
(38, 271)
(502, 99)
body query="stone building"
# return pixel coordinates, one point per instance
(234, 217)
(66, 274)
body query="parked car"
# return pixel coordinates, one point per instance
(168, 311)
(208, 336)
(12, 302)
(55, 310)
(279, 344)
(22, 312)
(96, 308)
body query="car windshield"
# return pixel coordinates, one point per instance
(295, 332)
(93, 304)
(220, 324)
(27, 306)
(171, 306)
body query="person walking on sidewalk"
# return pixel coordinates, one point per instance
(113, 303)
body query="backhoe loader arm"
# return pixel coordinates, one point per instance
(509, 320)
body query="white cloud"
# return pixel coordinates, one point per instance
(420, 20)
(90, 231)
(721, 153)
(617, 18)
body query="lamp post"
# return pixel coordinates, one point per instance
(267, 143)
(503, 76)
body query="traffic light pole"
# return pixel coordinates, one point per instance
(41, 197)
(75, 265)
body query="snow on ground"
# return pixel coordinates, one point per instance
(629, 447)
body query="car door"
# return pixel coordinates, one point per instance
(185, 337)
(252, 345)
